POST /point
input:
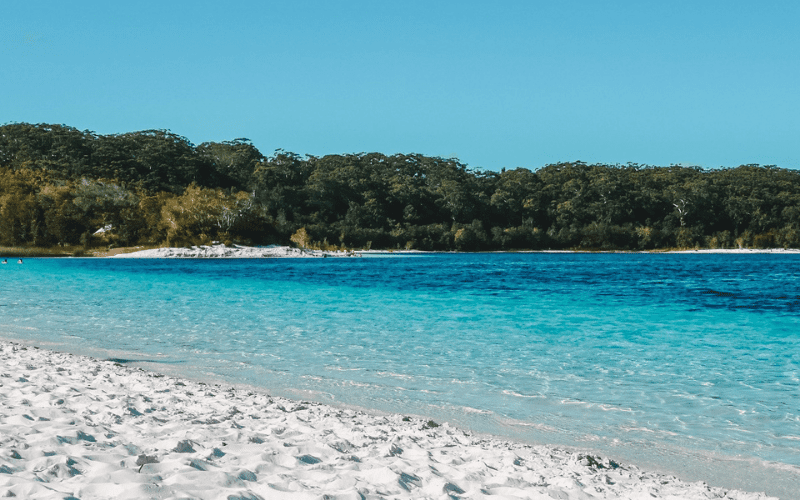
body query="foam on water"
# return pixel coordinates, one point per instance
(686, 363)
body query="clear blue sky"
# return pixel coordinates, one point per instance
(496, 84)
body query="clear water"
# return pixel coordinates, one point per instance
(686, 363)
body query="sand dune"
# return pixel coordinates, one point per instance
(80, 428)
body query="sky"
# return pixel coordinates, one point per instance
(495, 84)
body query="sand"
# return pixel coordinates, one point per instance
(73, 427)
(218, 250)
(740, 250)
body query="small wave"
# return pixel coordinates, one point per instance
(607, 407)
(342, 369)
(469, 409)
(262, 355)
(631, 428)
(574, 402)
(522, 423)
(455, 409)
(463, 382)
(403, 376)
(590, 438)
(367, 385)
(509, 392)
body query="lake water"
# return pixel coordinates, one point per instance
(686, 363)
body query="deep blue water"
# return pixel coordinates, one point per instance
(689, 363)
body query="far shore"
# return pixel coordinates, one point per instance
(234, 251)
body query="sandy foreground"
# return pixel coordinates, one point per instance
(73, 427)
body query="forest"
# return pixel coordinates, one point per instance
(59, 186)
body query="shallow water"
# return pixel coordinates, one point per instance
(686, 363)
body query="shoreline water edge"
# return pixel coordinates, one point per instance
(219, 250)
(82, 428)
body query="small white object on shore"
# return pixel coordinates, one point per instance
(77, 427)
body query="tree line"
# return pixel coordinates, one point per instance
(60, 185)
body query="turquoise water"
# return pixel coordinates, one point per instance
(686, 363)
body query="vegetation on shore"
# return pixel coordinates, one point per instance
(60, 185)
(31, 251)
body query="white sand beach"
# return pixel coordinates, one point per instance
(740, 250)
(73, 427)
(221, 251)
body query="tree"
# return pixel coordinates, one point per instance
(516, 198)
(234, 161)
(301, 238)
(103, 202)
(65, 222)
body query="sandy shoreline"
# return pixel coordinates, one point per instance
(221, 251)
(274, 251)
(81, 428)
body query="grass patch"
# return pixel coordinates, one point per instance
(41, 251)
(68, 251)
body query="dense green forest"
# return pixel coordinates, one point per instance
(59, 185)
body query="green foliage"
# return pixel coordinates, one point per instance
(201, 215)
(233, 161)
(59, 185)
(65, 221)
